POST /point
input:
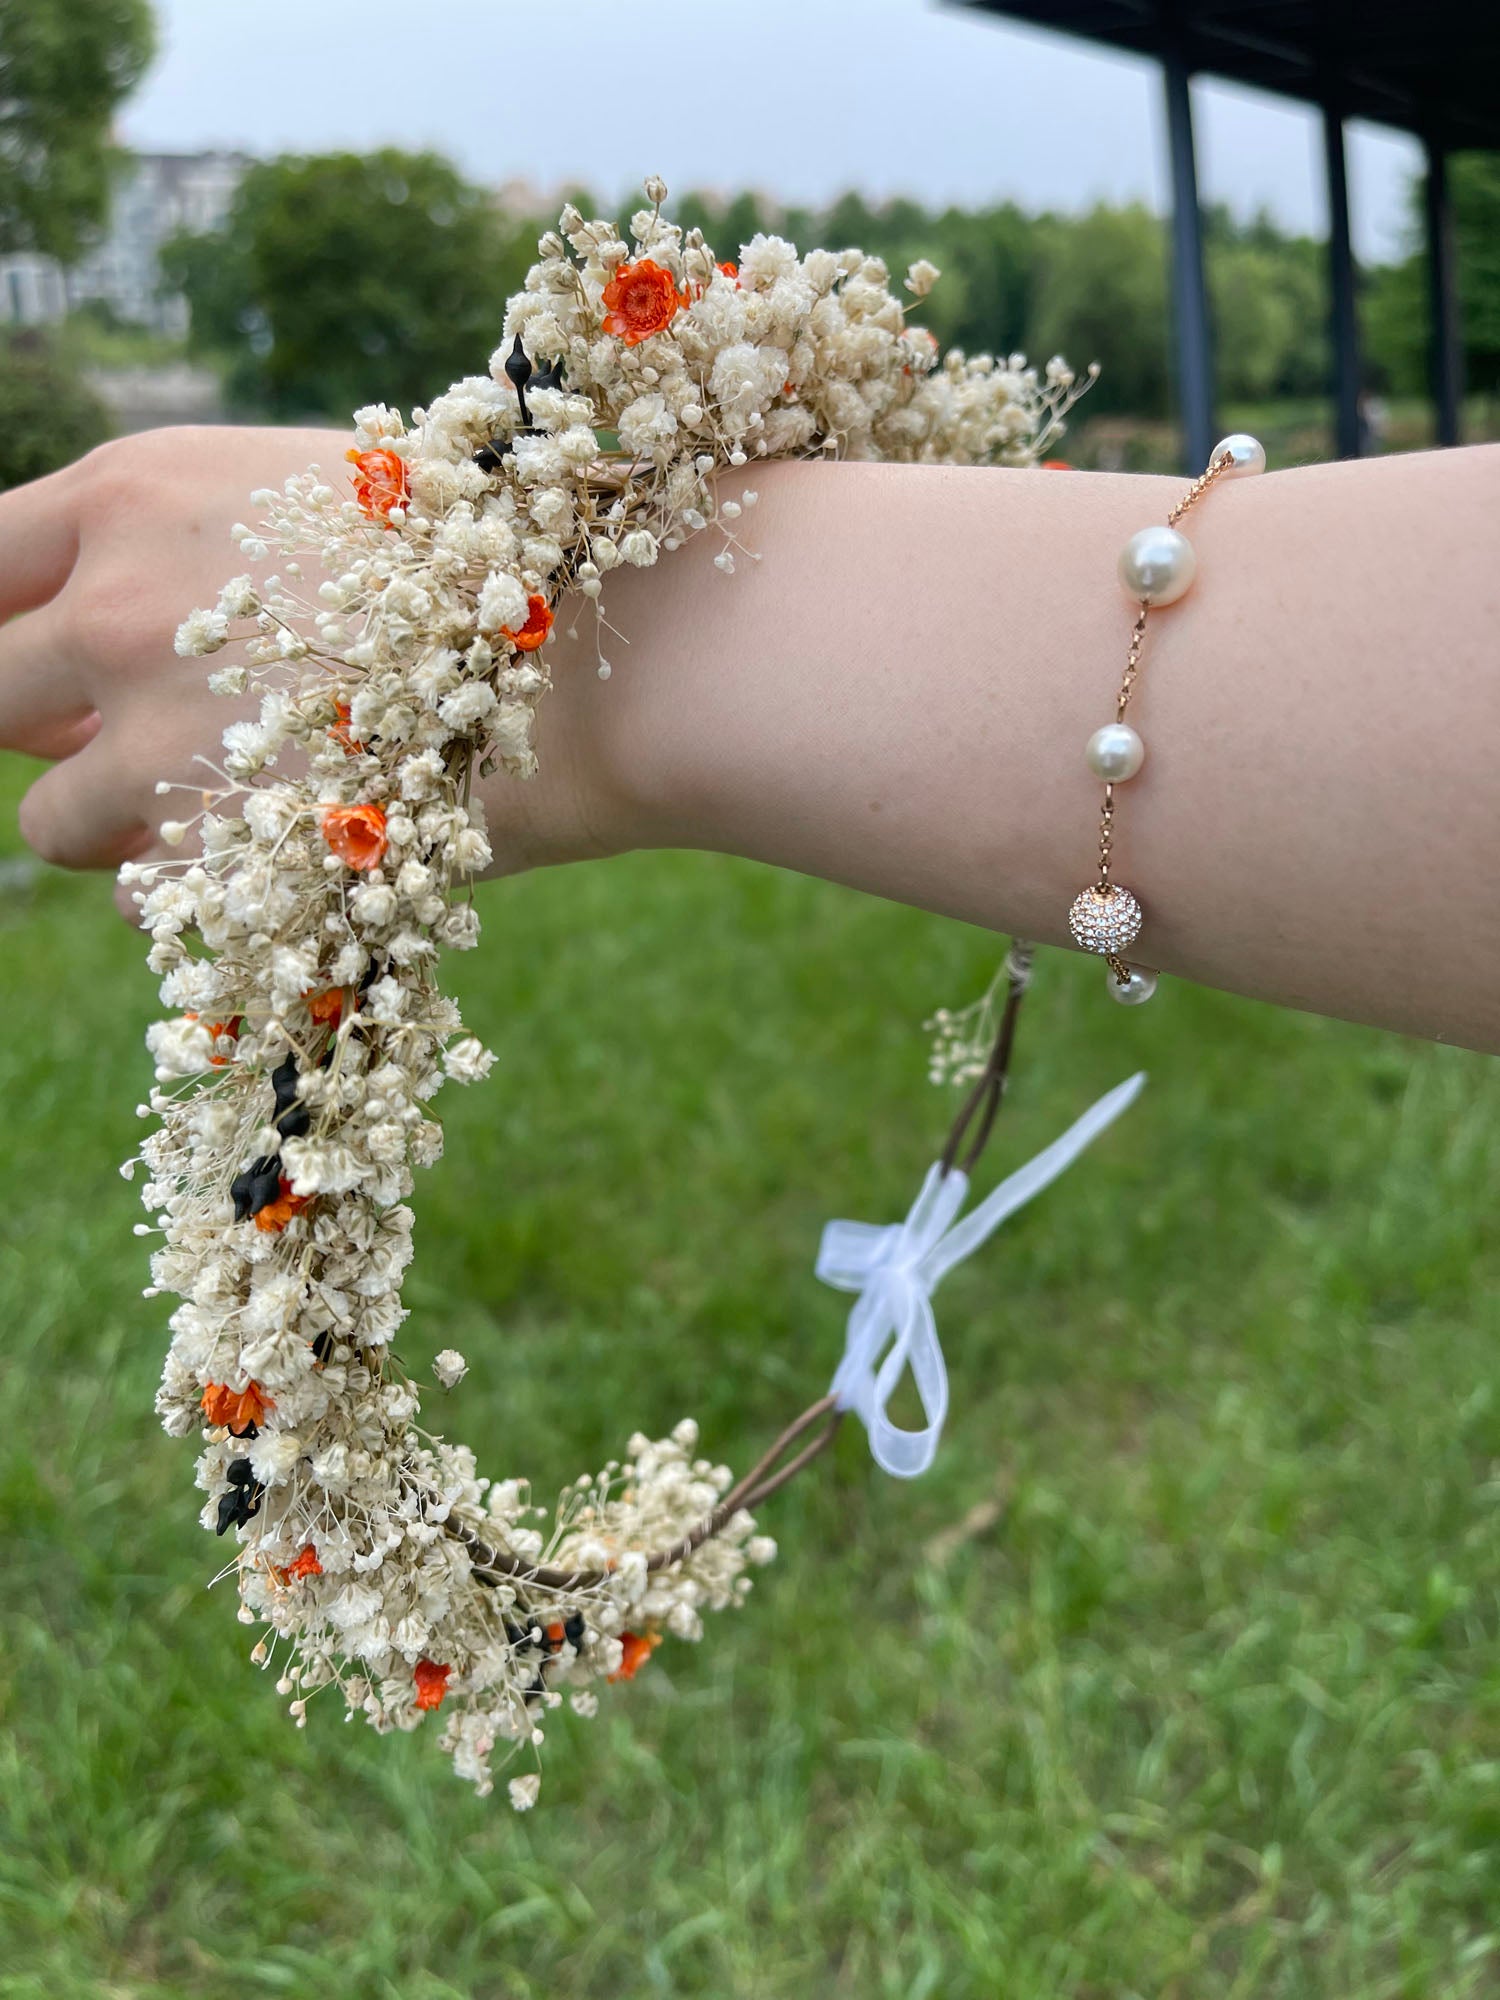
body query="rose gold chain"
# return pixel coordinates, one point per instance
(1198, 488)
(1132, 663)
(1106, 835)
(1122, 702)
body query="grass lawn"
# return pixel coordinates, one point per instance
(1205, 1701)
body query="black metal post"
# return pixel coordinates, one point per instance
(1442, 292)
(1343, 320)
(1195, 381)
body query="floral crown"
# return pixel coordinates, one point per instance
(399, 651)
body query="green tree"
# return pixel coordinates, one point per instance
(1397, 312)
(1102, 296)
(985, 300)
(64, 66)
(1268, 304)
(342, 278)
(1476, 211)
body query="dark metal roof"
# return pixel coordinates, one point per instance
(1432, 68)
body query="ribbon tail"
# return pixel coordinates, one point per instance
(1018, 1188)
(891, 1325)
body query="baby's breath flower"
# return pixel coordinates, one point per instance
(468, 1061)
(202, 632)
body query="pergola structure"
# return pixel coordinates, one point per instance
(1430, 70)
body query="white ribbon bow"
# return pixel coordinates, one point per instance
(896, 1268)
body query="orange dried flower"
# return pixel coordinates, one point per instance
(355, 833)
(307, 1564)
(432, 1683)
(276, 1214)
(236, 1408)
(637, 1650)
(538, 624)
(730, 270)
(341, 732)
(641, 299)
(379, 481)
(217, 1028)
(1056, 465)
(327, 1006)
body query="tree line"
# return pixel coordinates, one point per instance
(342, 277)
(339, 278)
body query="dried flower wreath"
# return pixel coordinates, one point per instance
(297, 949)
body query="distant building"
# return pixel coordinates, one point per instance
(33, 290)
(158, 194)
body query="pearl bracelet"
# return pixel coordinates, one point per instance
(1157, 566)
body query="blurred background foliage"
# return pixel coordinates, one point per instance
(342, 271)
(339, 278)
(48, 414)
(65, 66)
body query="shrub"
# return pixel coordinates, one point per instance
(48, 414)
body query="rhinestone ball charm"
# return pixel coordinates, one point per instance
(1105, 920)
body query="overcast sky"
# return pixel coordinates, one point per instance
(800, 98)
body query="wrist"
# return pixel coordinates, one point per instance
(589, 797)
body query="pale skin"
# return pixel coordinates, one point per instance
(897, 695)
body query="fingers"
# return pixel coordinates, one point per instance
(78, 814)
(57, 740)
(38, 541)
(44, 699)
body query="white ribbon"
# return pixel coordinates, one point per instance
(895, 1270)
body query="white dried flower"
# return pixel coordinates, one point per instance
(639, 547)
(502, 603)
(468, 1061)
(202, 632)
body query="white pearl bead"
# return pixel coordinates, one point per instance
(1115, 752)
(1136, 990)
(1157, 565)
(1245, 454)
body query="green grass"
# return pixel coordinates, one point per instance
(1211, 1708)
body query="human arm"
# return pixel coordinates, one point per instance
(897, 694)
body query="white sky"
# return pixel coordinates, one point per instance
(800, 98)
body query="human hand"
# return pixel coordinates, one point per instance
(101, 562)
